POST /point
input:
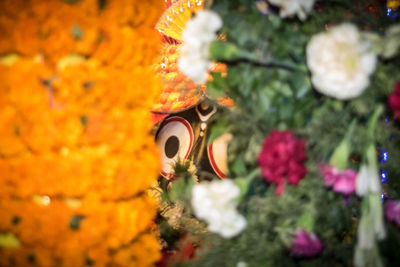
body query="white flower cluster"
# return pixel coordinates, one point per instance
(367, 181)
(214, 203)
(289, 8)
(340, 62)
(200, 31)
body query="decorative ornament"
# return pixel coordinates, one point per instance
(174, 19)
(184, 135)
(180, 93)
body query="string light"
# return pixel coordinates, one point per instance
(383, 156)
(384, 176)
(389, 11)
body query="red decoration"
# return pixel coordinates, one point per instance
(394, 101)
(282, 157)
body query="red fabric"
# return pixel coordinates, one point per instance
(157, 117)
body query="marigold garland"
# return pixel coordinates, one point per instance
(75, 93)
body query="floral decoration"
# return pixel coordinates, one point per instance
(75, 92)
(367, 180)
(215, 203)
(340, 62)
(394, 101)
(289, 8)
(197, 37)
(312, 83)
(392, 211)
(306, 244)
(342, 181)
(282, 158)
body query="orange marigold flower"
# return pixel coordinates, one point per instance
(75, 94)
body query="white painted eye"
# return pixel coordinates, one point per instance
(174, 140)
(218, 155)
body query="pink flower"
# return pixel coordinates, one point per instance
(394, 101)
(392, 211)
(343, 182)
(306, 244)
(282, 157)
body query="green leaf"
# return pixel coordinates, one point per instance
(341, 154)
(221, 127)
(83, 120)
(223, 51)
(265, 100)
(238, 167)
(217, 88)
(77, 32)
(9, 240)
(75, 222)
(306, 221)
(181, 189)
(244, 183)
(9, 60)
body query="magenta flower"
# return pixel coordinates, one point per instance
(306, 244)
(282, 159)
(392, 211)
(394, 101)
(342, 181)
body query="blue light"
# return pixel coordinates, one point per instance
(384, 176)
(384, 156)
(383, 197)
(387, 120)
(389, 12)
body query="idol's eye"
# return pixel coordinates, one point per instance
(218, 155)
(174, 140)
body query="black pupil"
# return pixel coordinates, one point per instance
(171, 146)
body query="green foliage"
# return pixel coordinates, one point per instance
(272, 221)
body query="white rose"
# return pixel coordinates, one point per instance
(289, 8)
(340, 62)
(200, 31)
(214, 203)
